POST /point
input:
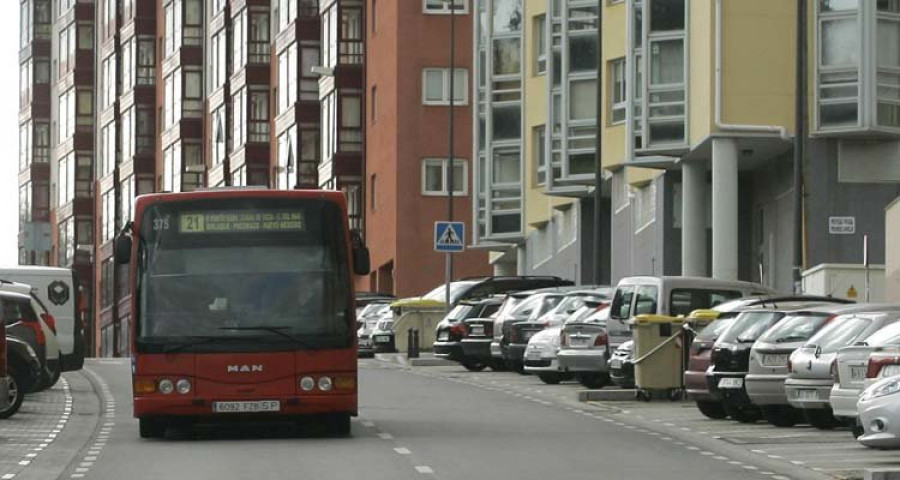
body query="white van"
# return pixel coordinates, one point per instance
(57, 289)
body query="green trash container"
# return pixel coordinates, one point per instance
(658, 356)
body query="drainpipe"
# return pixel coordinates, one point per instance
(781, 131)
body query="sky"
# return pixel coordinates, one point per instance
(9, 129)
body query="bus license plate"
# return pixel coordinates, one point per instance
(247, 407)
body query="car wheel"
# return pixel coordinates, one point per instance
(151, 427)
(742, 413)
(550, 378)
(821, 418)
(593, 380)
(498, 366)
(713, 410)
(473, 365)
(781, 415)
(515, 366)
(16, 395)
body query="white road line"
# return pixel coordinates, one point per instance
(424, 469)
(385, 436)
(368, 424)
(8, 476)
(402, 451)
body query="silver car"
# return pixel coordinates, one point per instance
(768, 368)
(585, 349)
(810, 380)
(851, 368)
(540, 356)
(879, 414)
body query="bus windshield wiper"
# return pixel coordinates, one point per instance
(276, 329)
(194, 340)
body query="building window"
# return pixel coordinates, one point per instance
(67, 40)
(330, 36)
(436, 86)
(66, 180)
(351, 45)
(239, 40)
(217, 139)
(126, 192)
(66, 115)
(309, 148)
(145, 130)
(146, 61)
(194, 167)
(25, 84)
(108, 216)
(40, 142)
(66, 242)
(193, 93)
(329, 126)
(350, 134)
(25, 211)
(108, 152)
(618, 101)
(445, 6)
(373, 12)
(126, 134)
(287, 159)
(539, 134)
(107, 277)
(309, 82)
(259, 116)
(239, 118)
(259, 38)
(436, 177)
(109, 79)
(218, 59)
(217, 6)
(25, 150)
(373, 197)
(540, 44)
(287, 13)
(374, 103)
(287, 78)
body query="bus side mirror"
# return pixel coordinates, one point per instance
(122, 249)
(361, 260)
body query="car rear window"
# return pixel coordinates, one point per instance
(16, 310)
(841, 332)
(460, 312)
(748, 326)
(795, 328)
(889, 335)
(685, 301)
(712, 331)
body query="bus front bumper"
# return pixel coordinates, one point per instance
(190, 406)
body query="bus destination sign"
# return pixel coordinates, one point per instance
(241, 221)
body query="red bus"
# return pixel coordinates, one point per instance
(242, 307)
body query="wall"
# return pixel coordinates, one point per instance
(892, 253)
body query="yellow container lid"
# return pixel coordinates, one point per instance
(704, 314)
(416, 303)
(655, 319)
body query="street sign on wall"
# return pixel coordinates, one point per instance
(842, 225)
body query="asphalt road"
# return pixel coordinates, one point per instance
(413, 424)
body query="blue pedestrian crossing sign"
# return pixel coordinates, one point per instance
(449, 236)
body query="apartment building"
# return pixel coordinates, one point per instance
(408, 147)
(697, 123)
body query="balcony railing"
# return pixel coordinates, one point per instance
(260, 53)
(259, 131)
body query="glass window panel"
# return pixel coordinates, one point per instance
(888, 43)
(838, 5)
(583, 100)
(434, 85)
(434, 176)
(667, 62)
(666, 15)
(507, 16)
(507, 121)
(583, 53)
(506, 167)
(507, 59)
(840, 42)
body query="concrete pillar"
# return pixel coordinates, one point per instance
(725, 209)
(521, 260)
(694, 199)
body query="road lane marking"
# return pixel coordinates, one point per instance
(424, 469)
(385, 436)
(402, 451)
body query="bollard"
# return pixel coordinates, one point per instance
(412, 343)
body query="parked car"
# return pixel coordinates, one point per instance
(584, 349)
(452, 329)
(383, 335)
(59, 292)
(621, 366)
(517, 330)
(730, 357)
(364, 299)
(879, 414)
(370, 315)
(5, 397)
(853, 368)
(811, 368)
(27, 320)
(24, 373)
(700, 352)
(480, 343)
(481, 287)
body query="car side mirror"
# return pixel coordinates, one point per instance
(122, 250)
(361, 262)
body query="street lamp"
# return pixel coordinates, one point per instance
(450, 162)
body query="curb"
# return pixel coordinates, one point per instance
(624, 395)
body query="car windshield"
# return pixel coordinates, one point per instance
(889, 335)
(459, 312)
(841, 332)
(527, 307)
(795, 328)
(570, 304)
(748, 326)
(547, 304)
(712, 331)
(373, 309)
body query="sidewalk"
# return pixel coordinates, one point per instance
(33, 428)
(426, 359)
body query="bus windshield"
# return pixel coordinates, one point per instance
(255, 273)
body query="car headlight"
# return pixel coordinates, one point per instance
(307, 384)
(325, 384)
(183, 386)
(889, 371)
(882, 389)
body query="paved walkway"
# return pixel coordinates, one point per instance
(40, 421)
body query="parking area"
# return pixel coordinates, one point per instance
(833, 452)
(40, 421)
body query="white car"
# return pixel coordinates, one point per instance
(540, 356)
(851, 369)
(879, 414)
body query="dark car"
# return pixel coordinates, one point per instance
(701, 348)
(24, 374)
(451, 330)
(621, 366)
(730, 357)
(22, 322)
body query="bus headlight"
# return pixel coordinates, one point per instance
(325, 384)
(307, 384)
(166, 386)
(183, 386)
